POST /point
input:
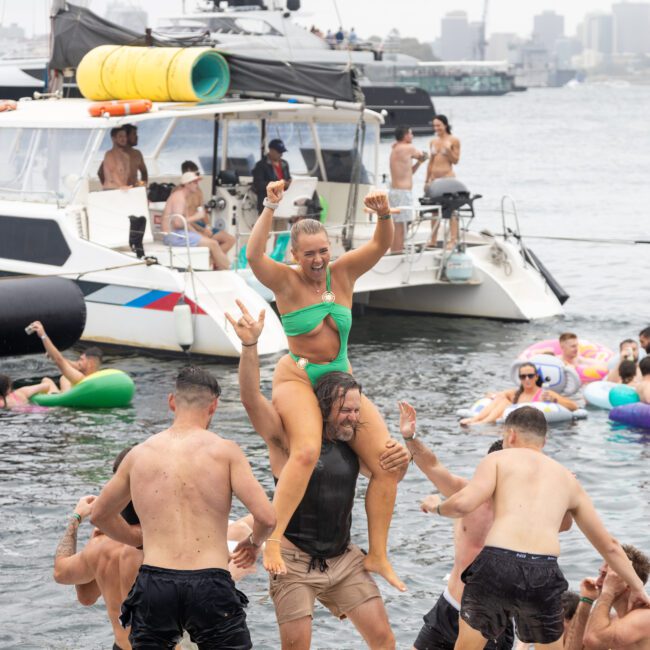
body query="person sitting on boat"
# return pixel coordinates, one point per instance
(530, 390)
(178, 205)
(115, 170)
(10, 398)
(643, 388)
(444, 152)
(272, 167)
(196, 206)
(72, 372)
(628, 351)
(402, 168)
(315, 301)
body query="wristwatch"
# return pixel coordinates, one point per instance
(413, 437)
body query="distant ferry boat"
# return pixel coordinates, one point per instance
(449, 78)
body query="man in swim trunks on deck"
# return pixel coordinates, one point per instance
(178, 205)
(516, 575)
(321, 563)
(402, 168)
(181, 482)
(72, 372)
(628, 630)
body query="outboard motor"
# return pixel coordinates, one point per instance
(451, 195)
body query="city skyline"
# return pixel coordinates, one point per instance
(367, 17)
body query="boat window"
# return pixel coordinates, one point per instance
(191, 139)
(337, 143)
(150, 133)
(42, 164)
(296, 136)
(39, 241)
(244, 137)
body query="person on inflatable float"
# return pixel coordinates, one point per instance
(72, 371)
(530, 390)
(19, 397)
(315, 303)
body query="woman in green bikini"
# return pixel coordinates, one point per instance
(315, 301)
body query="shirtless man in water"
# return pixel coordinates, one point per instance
(402, 169)
(181, 482)
(440, 629)
(628, 630)
(103, 567)
(516, 574)
(116, 168)
(643, 387)
(182, 202)
(444, 153)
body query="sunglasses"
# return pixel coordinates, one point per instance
(527, 375)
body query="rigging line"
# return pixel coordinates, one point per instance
(587, 240)
(79, 274)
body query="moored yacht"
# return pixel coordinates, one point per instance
(55, 219)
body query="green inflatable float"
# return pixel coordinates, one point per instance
(103, 389)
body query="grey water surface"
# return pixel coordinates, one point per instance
(576, 161)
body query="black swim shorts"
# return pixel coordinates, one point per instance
(440, 630)
(502, 584)
(164, 602)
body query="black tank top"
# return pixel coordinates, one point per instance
(320, 526)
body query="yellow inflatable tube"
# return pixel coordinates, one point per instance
(161, 74)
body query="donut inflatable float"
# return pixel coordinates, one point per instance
(598, 355)
(633, 415)
(556, 376)
(108, 388)
(607, 394)
(554, 413)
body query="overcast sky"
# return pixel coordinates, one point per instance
(419, 18)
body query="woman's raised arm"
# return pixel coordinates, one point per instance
(270, 273)
(356, 262)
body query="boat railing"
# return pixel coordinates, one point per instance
(23, 194)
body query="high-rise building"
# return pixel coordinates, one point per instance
(597, 33)
(548, 27)
(455, 37)
(502, 47)
(631, 28)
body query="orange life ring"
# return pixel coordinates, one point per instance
(119, 107)
(7, 105)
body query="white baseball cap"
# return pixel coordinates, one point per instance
(190, 177)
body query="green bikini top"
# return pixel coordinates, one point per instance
(303, 321)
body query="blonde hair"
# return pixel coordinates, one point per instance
(306, 227)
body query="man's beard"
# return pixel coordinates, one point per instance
(339, 434)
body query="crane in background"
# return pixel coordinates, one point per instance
(482, 36)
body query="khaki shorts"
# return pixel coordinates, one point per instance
(343, 587)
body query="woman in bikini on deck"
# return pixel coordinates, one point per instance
(530, 390)
(315, 301)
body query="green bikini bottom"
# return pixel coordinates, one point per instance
(316, 370)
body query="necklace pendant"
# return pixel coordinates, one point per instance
(328, 296)
(302, 363)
